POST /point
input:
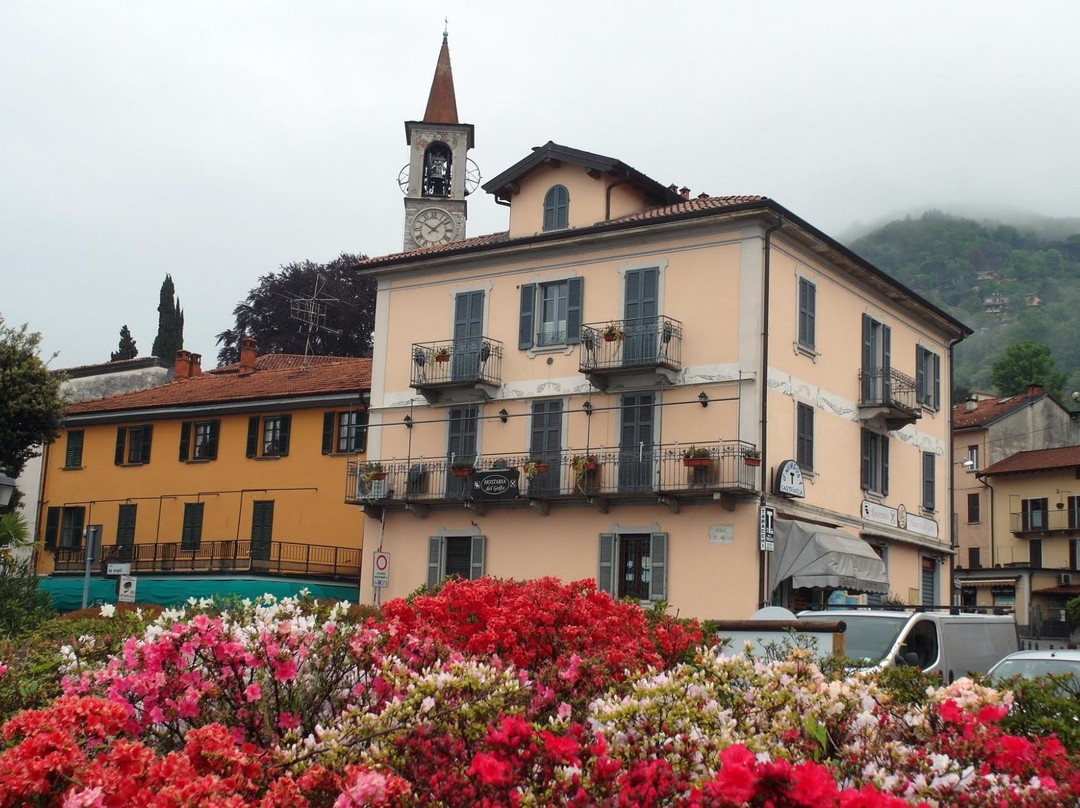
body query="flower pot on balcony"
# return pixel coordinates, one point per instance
(377, 476)
(609, 337)
(461, 472)
(442, 357)
(696, 461)
(752, 461)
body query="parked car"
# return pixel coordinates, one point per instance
(1033, 664)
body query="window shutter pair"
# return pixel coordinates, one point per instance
(527, 326)
(807, 312)
(870, 467)
(606, 572)
(928, 480)
(437, 555)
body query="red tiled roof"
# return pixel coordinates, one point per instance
(1068, 591)
(1036, 460)
(989, 409)
(717, 203)
(279, 361)
(342, 375)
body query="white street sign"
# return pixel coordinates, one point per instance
(380, 569)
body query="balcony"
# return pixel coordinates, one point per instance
(891, 394)
(645, 475)
(229, 556)
(1034, 523)
(458, 370)
(643, 347)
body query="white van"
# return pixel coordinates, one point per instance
(937, 642)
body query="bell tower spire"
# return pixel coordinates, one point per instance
(438, 176)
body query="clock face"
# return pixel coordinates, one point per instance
(433, 226)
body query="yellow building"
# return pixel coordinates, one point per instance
(225, 482)
(1034, 520)
(698, 400)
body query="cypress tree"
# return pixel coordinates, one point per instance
(170, 335)
(126, 349)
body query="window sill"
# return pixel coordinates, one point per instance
(72, 468)
(344, 454)
(799, 348)
(132, 465)
(874, 496)
(268, 457)
(198, 460)
(972, 523)
(543, 350)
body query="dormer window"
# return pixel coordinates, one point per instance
(437, 161)
(557, 208)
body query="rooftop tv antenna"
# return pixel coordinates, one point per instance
(310, 312)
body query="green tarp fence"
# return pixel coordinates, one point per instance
(171, 591)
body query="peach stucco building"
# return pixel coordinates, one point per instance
(568, 365)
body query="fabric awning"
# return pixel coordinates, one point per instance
(816, 556)
(987, 582)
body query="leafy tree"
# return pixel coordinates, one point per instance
(265, 314)
(170, 335)
(30, 406)
(126, 349)
(1024, 363)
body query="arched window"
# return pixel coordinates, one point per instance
(557, 208)
(437, 161)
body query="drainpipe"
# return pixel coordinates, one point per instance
(607, 197)
(954, 545)
(763, 384)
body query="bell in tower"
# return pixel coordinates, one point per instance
(440, 174)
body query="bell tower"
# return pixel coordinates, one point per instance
(440, 174)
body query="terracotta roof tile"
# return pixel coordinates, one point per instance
(989, 409)
(343, 375)
(279, 361)
(1067, 590)
(717, 203)
(1036, 460)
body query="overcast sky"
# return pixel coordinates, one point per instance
(218, 140)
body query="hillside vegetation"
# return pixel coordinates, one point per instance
(1006, 283)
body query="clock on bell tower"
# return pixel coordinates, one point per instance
(439, 174)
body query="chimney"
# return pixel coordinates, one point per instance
(1034, 389)
(182, 366)
(971, 405)
(247, 356)
(196, 365)
(684, 192)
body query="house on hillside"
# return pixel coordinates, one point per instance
(656, 391)
(219, 483)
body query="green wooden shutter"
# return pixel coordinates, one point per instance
(435, 557)
(605, 575)
(286, 422)
(929, 481)
(78, 518)
(52, 527)
(215, 431)
(477, 558)
(937, 382)
(920, 375)
(884, 465)
(359, 438)
(658, 566)
(526, 330)
(144, 452)
(328, 432)
(886, 362)
(253, 436)
(121, 436)
(867, 359)
(185, 440)
(73, 454)
(866, 472)
(575, 296)
(125, 525)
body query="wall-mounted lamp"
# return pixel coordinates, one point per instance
(503, 414)
(7, 488)
(968, 464)
(587, 406)
(703, 397)
(407, 421)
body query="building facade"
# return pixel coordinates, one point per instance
(218, 483)
(700, 401)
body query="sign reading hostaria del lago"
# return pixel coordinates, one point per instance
(494, 484)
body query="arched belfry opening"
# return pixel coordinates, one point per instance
(438, 162)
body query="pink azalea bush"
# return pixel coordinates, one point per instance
(496, 693)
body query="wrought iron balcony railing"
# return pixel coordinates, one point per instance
(609, 473)
(456, 363)
(889, 392)
(628, 345)
(230, 555)
(1041, 521)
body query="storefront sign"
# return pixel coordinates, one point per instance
(882, 514)
(789, 479)
(767, 535)
(721, 534)
(922, 526)
(495, 484)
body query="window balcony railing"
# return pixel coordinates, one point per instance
(474, 362)
(1044, 521)
(574, 473)
(629, 346)
(230, 555)
(890, 393)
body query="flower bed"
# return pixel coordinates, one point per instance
(501, 693)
